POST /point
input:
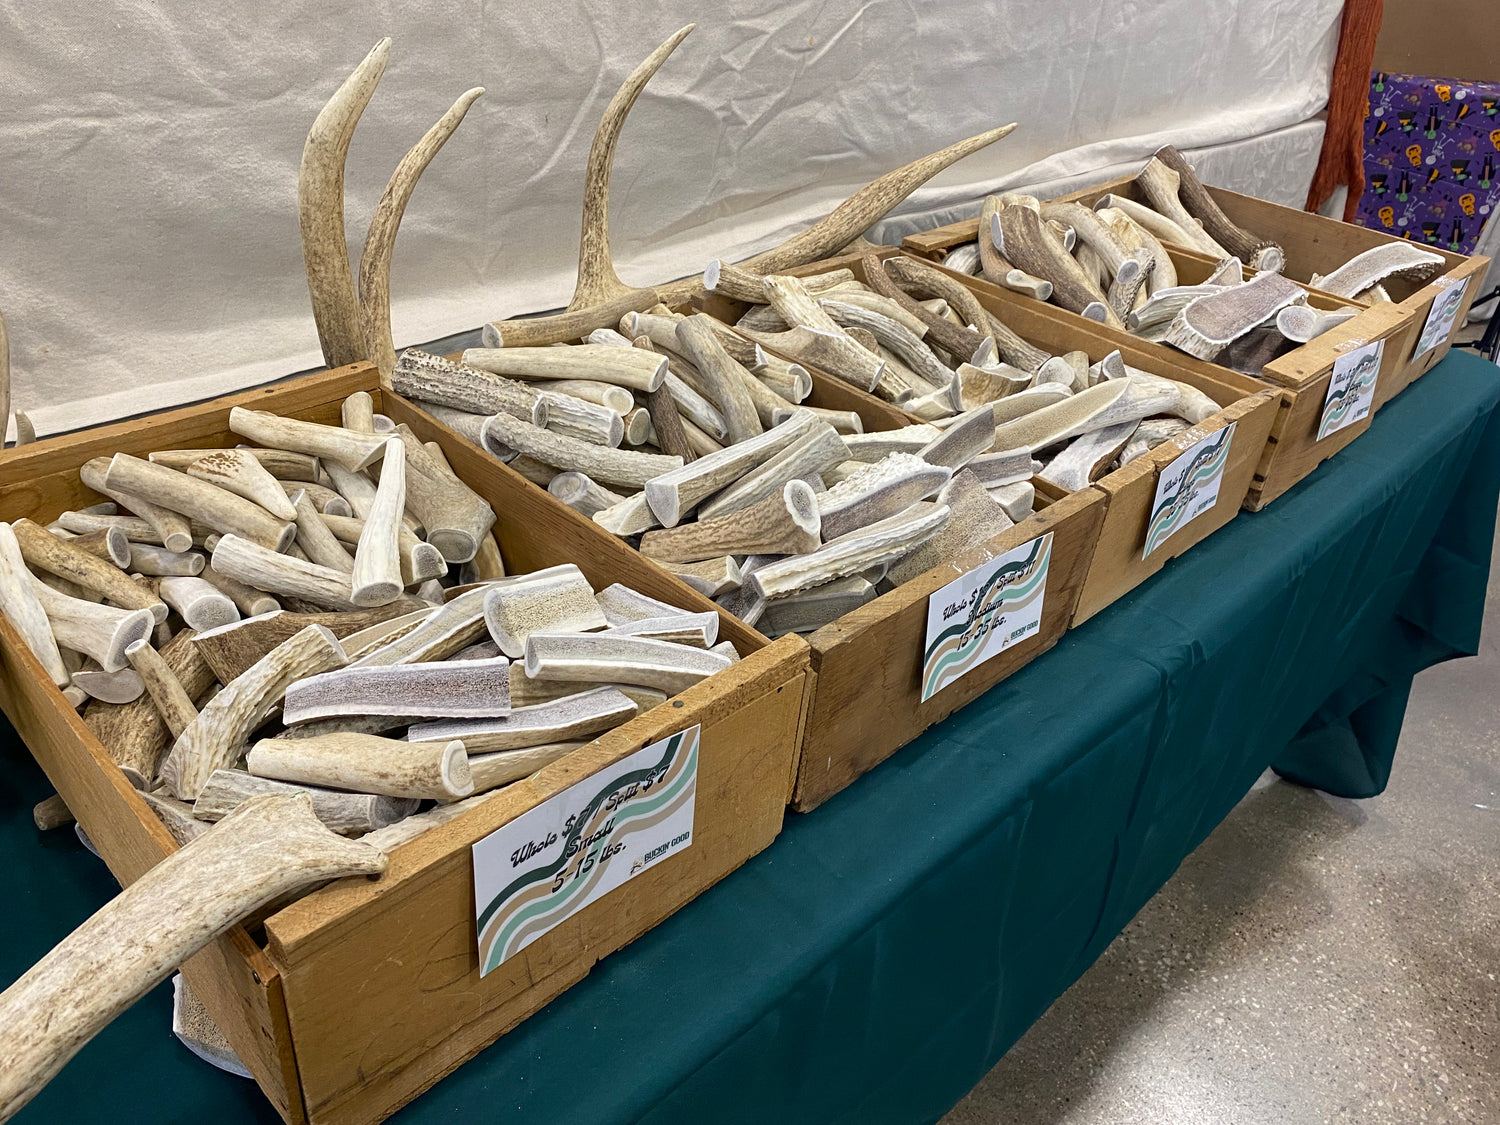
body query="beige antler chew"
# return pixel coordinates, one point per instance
(218, 508)
(784, 523)
(380, 241)
(91, 628)
(240, 472)
(353, 450)
(172, 701)
(1019, 234)
(431, 378)
(376, 579)
(45, 551)
(344, 813)
(23, 608)
(366, 763)
(275, 573)
(268, 847)
(136, 734)
(171, 529)
(216, 737)
(320, 203)
(1261, 253)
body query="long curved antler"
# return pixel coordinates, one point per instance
(320, 202)
(380, 241)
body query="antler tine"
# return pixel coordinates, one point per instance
(320, 200)
(380, 241)
(850, 218)
(600, 298)
(597, 280)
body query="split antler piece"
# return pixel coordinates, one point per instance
(600, 298)
(266, 848)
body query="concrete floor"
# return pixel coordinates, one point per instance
(1315, 960)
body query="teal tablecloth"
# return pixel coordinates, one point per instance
(886, 950)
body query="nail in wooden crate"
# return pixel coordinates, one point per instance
(1304, 373)
(352, 1001)
(866, 697)
(1118, 562)
(1317, 244)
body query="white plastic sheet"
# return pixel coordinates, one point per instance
(149, 250)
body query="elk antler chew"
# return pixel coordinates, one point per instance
(1260, 253)
(784, 523)
(23, 608)
(216, 738)
(268, 847)
(376, 579)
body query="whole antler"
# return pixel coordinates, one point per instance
(350, 327)
(320, 201)
(600, 298)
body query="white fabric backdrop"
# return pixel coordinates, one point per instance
(149, 251)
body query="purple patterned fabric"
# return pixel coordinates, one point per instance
(1432, 147)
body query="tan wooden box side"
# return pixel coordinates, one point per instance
(866, 689)
(1293, 450)
(751, 716)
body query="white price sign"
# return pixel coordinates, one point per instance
(1188, 487)
(1351, 390)
(1440, 318)
(981, 614)
(550, 862)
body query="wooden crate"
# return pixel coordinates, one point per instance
(1294, 448)
(1317, 244)
(1116, 565)
(865, 691)
(352, 1001)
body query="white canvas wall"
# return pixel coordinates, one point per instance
(149, 250)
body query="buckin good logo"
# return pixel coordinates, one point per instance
(1174, 509)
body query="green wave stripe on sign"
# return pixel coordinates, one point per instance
(1019, 597)
(1343, 401)
(498, 946)
(1168, 517)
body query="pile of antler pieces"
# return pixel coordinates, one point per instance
(792, 516)
(345, 583)
(1111, 264)
(289, 643)
(943, 356)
